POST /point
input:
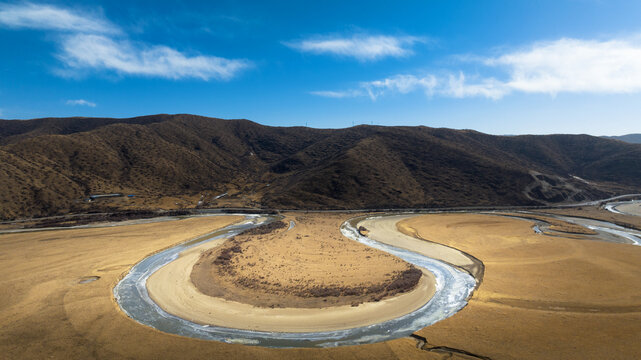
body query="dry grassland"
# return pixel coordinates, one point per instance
(47, 314)
(542, 297)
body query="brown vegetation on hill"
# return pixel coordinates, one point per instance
(50, 165)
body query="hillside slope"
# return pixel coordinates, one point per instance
(50, 165)
(629, 138)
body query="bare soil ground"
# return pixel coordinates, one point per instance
(311, 265)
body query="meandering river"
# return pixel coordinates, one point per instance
(453, 288)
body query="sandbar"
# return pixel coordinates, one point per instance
(633, 208)
(392, 231)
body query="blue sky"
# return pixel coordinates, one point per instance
(500, 67)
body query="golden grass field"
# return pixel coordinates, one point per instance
(541, 297)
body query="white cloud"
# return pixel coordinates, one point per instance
(361, 47)
(48, 17)
(575, 66)
(562, 66)
(91, 42)
(124, 57)
(81, 102)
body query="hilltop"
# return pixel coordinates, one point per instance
(49, 166)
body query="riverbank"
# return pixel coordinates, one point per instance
(599, 213)
(630, 208)
(318, 258)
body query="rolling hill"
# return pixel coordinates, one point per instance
(48, 166)
(629, 138)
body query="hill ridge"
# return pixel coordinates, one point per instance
(50, 165)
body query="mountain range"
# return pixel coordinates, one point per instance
(51, 166)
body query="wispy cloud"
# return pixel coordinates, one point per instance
(90, 42)
(562, 66)
(360, 47)
(402, 84)
(81, 102)
(99, 52)
(458, 87)
(340, 94)
(49, 17)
